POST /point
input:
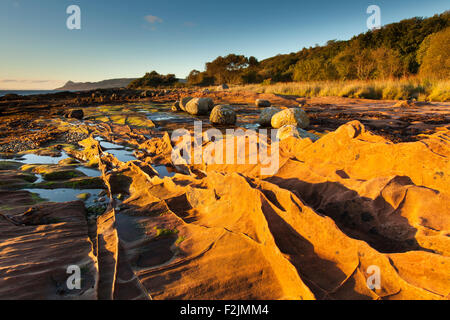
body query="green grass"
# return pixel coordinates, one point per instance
(400, 89)
(35, 198)
(96, 210)
(161, 232)
(180, 240)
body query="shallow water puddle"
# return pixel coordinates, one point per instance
(249, 126)
(89, 172)
(128, 227)
(164, 171)
(122, 154)
(108, 145)
(66, 195)
(36, 159)
(165, 116)
(161, 113)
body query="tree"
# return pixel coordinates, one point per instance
(435, 55)
(388, 63)
(197, 78)
(394, 50)
(365, 64)
(343, 63)
(253, 62)
(317, 68)
(153, 79)
(227, 69)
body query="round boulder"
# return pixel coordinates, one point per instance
(210, 103)
(198, 106)
(183, 102)
(294, 116)
(265, 117)
(222, 87)
(223, 114)
(260, 103)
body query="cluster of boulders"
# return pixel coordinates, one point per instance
(220, 114)
(156, 93)
(289, 122)
(83, 98)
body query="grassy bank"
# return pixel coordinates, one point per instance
(402, 89)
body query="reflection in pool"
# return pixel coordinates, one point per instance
(164, 116)
(164, 171)
(118, 151)
(36, 159)
(66, 195)
(89, 171)
(250, 126)
(109, 145)
(122, 154)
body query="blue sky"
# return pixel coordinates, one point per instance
(121, 38)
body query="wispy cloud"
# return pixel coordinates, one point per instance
(153, 19)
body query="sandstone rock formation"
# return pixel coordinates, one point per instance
(342, 214)
(38, 246)
(336, 209)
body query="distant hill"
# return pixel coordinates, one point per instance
(105, 84)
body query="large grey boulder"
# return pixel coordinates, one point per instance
(260, 103)
(210, 103)
(223, 114)
(183, 102)
(293, 116)
(198, 106)
(265, 117)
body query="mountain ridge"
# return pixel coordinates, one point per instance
(104, 84)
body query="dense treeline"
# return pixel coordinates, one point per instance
(154, 79)
(405, 48)
(409, 47)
